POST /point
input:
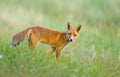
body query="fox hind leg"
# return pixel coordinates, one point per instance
(51, 51)
(32, 41)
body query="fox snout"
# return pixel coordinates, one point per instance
(71, 39)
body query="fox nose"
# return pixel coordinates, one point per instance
(71, 40)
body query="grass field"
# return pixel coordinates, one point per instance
(96, 52)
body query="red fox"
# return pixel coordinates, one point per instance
(57, 40)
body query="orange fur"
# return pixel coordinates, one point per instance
(57, 40)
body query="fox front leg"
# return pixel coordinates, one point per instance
(58, 53)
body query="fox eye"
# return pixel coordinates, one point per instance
(69, 33)
(75, 34)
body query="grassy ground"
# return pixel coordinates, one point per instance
(96, 52)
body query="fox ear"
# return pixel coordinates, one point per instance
(78, 28)
(68, 26)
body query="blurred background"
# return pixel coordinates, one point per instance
(16, 14)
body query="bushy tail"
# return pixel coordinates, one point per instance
(20, 37)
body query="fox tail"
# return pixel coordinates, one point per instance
(20, 37)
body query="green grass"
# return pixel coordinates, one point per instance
(96, 52)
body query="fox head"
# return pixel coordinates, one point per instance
(72, 33)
